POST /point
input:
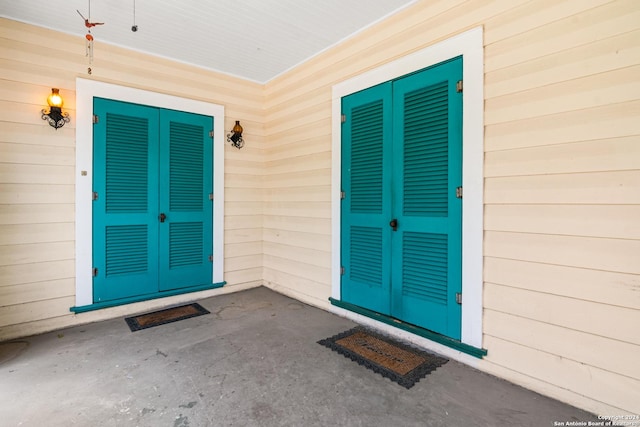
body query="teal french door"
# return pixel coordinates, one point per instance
(401, 219)
(152, 213)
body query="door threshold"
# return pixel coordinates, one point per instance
(416, 330)
(139, 298)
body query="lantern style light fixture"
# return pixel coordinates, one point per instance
(235, 137)
(55, 116)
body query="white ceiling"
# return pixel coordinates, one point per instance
(251, 39)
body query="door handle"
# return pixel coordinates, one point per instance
(162, 217)
(394, 224)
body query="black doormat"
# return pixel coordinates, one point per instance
(388, 357)
(163, 317)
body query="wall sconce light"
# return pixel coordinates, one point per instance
(55, 116)
(235, 137)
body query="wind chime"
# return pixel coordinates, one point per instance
(89, 37)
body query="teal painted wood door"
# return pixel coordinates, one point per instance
(416, 248)
(186, 181)
(366, 208)
(150, 162)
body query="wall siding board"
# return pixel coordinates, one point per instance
(24, 154)
(605, 287)
(610, 19)
(35, 310)
(598, 188)
(601, 56)
(606, 221)
(313, 292)
(297, 253)
(36, 213)
(297, 209)
(619, 255)
(614, 154)
(611, 121)
(38, 291)
(243, 235)
(36, 134)
(528, 17)
(593, 91)
(16, 194)
(314, 178)
(614, 356)
(592, 383)
(19, 234)
(18, 274)
(585, 316)
(278, 222)
(36, 252)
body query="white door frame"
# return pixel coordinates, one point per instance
(470, 45)
(86, 90)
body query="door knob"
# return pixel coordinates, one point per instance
(394, 224)
(162, 217)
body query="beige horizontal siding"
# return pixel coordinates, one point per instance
(35, 252)
(618, 255)
(605, 287)
(570, 313)
(37, 166)
(36, 213)
(606, 221)
(601, 155)
(614, 356)
(601, 56)
(597, 188)
(611, 121)
(37, 291)
(621, 392)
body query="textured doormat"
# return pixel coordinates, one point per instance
(163, 317)
(388, 357)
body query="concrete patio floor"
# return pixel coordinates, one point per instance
(253, 361)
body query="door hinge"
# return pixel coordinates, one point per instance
(210, 134)
(343, 195)
(342, 271)
(210, 258)
(95, 119)
(211, 196)
(343, 118)
(459, 297)
(459, 192)
(94, 196)
(94, 271)
(459, 86)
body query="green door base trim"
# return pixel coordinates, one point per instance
(123, 301)
(425, 333)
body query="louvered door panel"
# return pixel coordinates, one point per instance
(127, 249)
(428, 167)
(124, 214)
(366, 255)
(127, 166)
(185, 167)
(367, 136)
(366, 182)
(424, 266)
(186, 242)
(426, 153)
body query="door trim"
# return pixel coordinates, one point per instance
(470, 45)
(86, 90)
